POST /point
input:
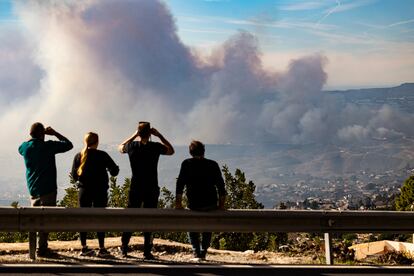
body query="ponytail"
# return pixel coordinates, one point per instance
(90, 139)
(84, 155)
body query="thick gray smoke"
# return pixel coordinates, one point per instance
(105, 65)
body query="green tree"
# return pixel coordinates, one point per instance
(167, 201)
(405, 201)
(240, 195)
(70, 199)
(118, 195)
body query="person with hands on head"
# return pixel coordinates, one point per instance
(144, 191)
(90, 169)
(41, 176)
(205, 190)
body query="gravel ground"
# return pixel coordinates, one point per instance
(164, 252)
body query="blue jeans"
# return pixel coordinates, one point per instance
(200, 248)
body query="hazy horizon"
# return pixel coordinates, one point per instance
(223, 72)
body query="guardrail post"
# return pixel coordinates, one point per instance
(32, 245)
(328, 249)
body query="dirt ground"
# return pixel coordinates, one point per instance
(164, 252)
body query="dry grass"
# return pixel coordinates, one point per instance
(164, 251)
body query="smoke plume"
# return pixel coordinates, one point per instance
(105, 65)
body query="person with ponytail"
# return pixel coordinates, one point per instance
(90, 170)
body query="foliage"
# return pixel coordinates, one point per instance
(167, 201)
(240, 195)
(118, 195)
(70, 199)
(395, 258)
(405, 201)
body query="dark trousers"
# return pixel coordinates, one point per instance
(195, 241)
(140, 198)
(44, 200)
(93, 198)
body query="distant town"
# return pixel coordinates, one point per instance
(362, 191)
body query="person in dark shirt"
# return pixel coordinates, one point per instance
(144, 192)
(40, 162)
(202, 180)
(90, 169)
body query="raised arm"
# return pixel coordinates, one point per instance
(170, 149)
(121, 147)
(50, 131)
(63, 145)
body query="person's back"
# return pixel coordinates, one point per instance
(90, 170)
(203, 181)
(144, 162)
(144, 190)
(95, 173)
(39, 158)
(202, 178)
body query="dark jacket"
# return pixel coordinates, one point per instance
(95, 171)
(203, 181)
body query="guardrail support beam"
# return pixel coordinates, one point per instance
(32, 245)
(328, 249)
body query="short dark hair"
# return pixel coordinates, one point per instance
(196, 148)
(37, 130)
(144, 129)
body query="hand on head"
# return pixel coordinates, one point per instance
(155, 132)
(50, 131)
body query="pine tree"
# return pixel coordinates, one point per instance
(240, 195)
(70, 199)
(118, 195)
(405, 201)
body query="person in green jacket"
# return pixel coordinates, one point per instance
(39, 158)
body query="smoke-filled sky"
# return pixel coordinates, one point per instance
(105, 65)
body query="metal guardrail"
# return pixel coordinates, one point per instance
(55, 219)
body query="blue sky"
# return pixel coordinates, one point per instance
(299, 24)
(376, 33)
(376, 36)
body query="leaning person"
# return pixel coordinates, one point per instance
(90, 169)
(205, 191)
(144, 191)
(39, 158)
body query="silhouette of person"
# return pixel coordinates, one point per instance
(205, 190)
(90, 169)
(144, 192)
(39, 159)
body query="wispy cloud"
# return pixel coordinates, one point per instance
(329, 12)
(401, 23)
(311, 5)
(353, 5)
(342, 6)
(283, 24)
